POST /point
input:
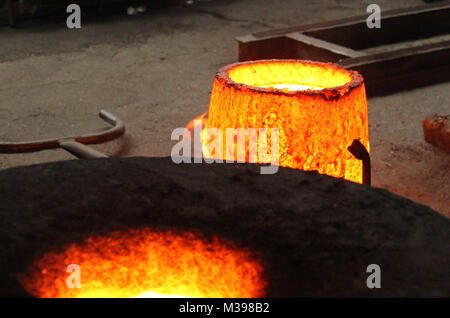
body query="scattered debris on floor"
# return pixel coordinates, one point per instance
(436, 130)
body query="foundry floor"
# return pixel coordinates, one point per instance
(155, 72)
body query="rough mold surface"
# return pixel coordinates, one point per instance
(316, 234)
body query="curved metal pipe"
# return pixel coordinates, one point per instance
(81, 150)
(114, 132)
(360, 152)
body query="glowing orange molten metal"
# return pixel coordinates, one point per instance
(318, 108)
(146, 263)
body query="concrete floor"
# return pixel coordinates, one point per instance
(155, 72)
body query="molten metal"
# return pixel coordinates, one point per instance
(318, 108)
(147, 263)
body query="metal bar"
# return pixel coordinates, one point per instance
(114, 132)
(320, 49)
(80, 150)
(360, 152)
(397, 70)
(291, 46)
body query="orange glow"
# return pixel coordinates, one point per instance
(202, 118)
(147, 263)
(292, 87)
(318, 108)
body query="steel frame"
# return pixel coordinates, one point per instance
(342, 41)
